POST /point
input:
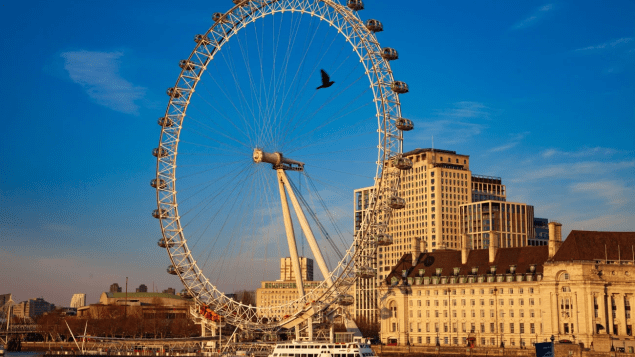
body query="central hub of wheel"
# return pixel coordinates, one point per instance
(278, 161)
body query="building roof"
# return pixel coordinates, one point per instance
(447, 260)
(111, 295)
(421, 151)
(592, 245)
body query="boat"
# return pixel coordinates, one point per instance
(1, 350)
(322, 349)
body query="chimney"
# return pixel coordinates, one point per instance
(555, 238)
(416, 251)
(493, 246)
(465, 251)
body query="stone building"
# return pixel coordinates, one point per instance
(580, 290)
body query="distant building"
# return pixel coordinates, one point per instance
(541, 232)
(78, 300)
(32, 308)
(512, 223)
(488, 188)
(141, 299)
(114, 288)
(287, 273)
(142, 289)
(6, 303)
(169, 291)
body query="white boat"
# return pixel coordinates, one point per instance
(322, 349)
(1, 350)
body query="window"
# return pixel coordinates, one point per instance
(428, 340)
(436, 313)
(473, 302)
(393, 327)
(532, 328)
(531, 302)
(428, 302)
(522, 327)
(522, 313)
(491, 302)
(482, 327)
(565, 276)
(491, 313)
(502, 302)
(511, 302)
(472, 327)
(511, 327)
(436, 327)
(473, 313)
(531, 313)
(445, 327)
(511, 313)
(521, 290)
(531, 290)
(511, 291)
(492, 327)
(463, 302)
(502, 327)
(427, 327)
(482, 302)
(482, 313)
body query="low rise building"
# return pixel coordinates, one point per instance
(32, 308)
(140, 299)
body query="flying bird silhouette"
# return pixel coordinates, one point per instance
(326, 80)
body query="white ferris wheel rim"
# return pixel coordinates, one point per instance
(387, 105)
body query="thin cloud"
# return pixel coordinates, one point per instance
(614, 193)
(609, 44)
(585, 152)
(515, 140)
(573, 170)
(98, 74)
(534, 18)
(455, 124)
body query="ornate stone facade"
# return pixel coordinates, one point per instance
(582, 291)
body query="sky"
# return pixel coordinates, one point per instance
(541, 94)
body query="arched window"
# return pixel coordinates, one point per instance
(393, 309)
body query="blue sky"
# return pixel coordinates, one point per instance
(541, 94)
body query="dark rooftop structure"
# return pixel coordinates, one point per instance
(592, 245)
(446, 260)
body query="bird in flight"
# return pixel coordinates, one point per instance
(326, 80)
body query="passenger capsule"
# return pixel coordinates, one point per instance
(374, 25)
(389, 54)
(202, 40)
(402, 163)
(165, 122)
(172, 270)
(396, 202)
(187, 65)
(219, 17)
(240, 2)
(186, 294)
(404, 124)
(159, 152)
(355, 5)
(383, 239)
(163, 243)
(174, 93)
(160, 183)
(399, 87)
(365, 272)
(162, 213)
(345, 300)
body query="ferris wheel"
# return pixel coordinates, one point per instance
(252, 132)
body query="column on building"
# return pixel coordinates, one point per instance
(602, 309)
(621, 314)
(609, 310)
